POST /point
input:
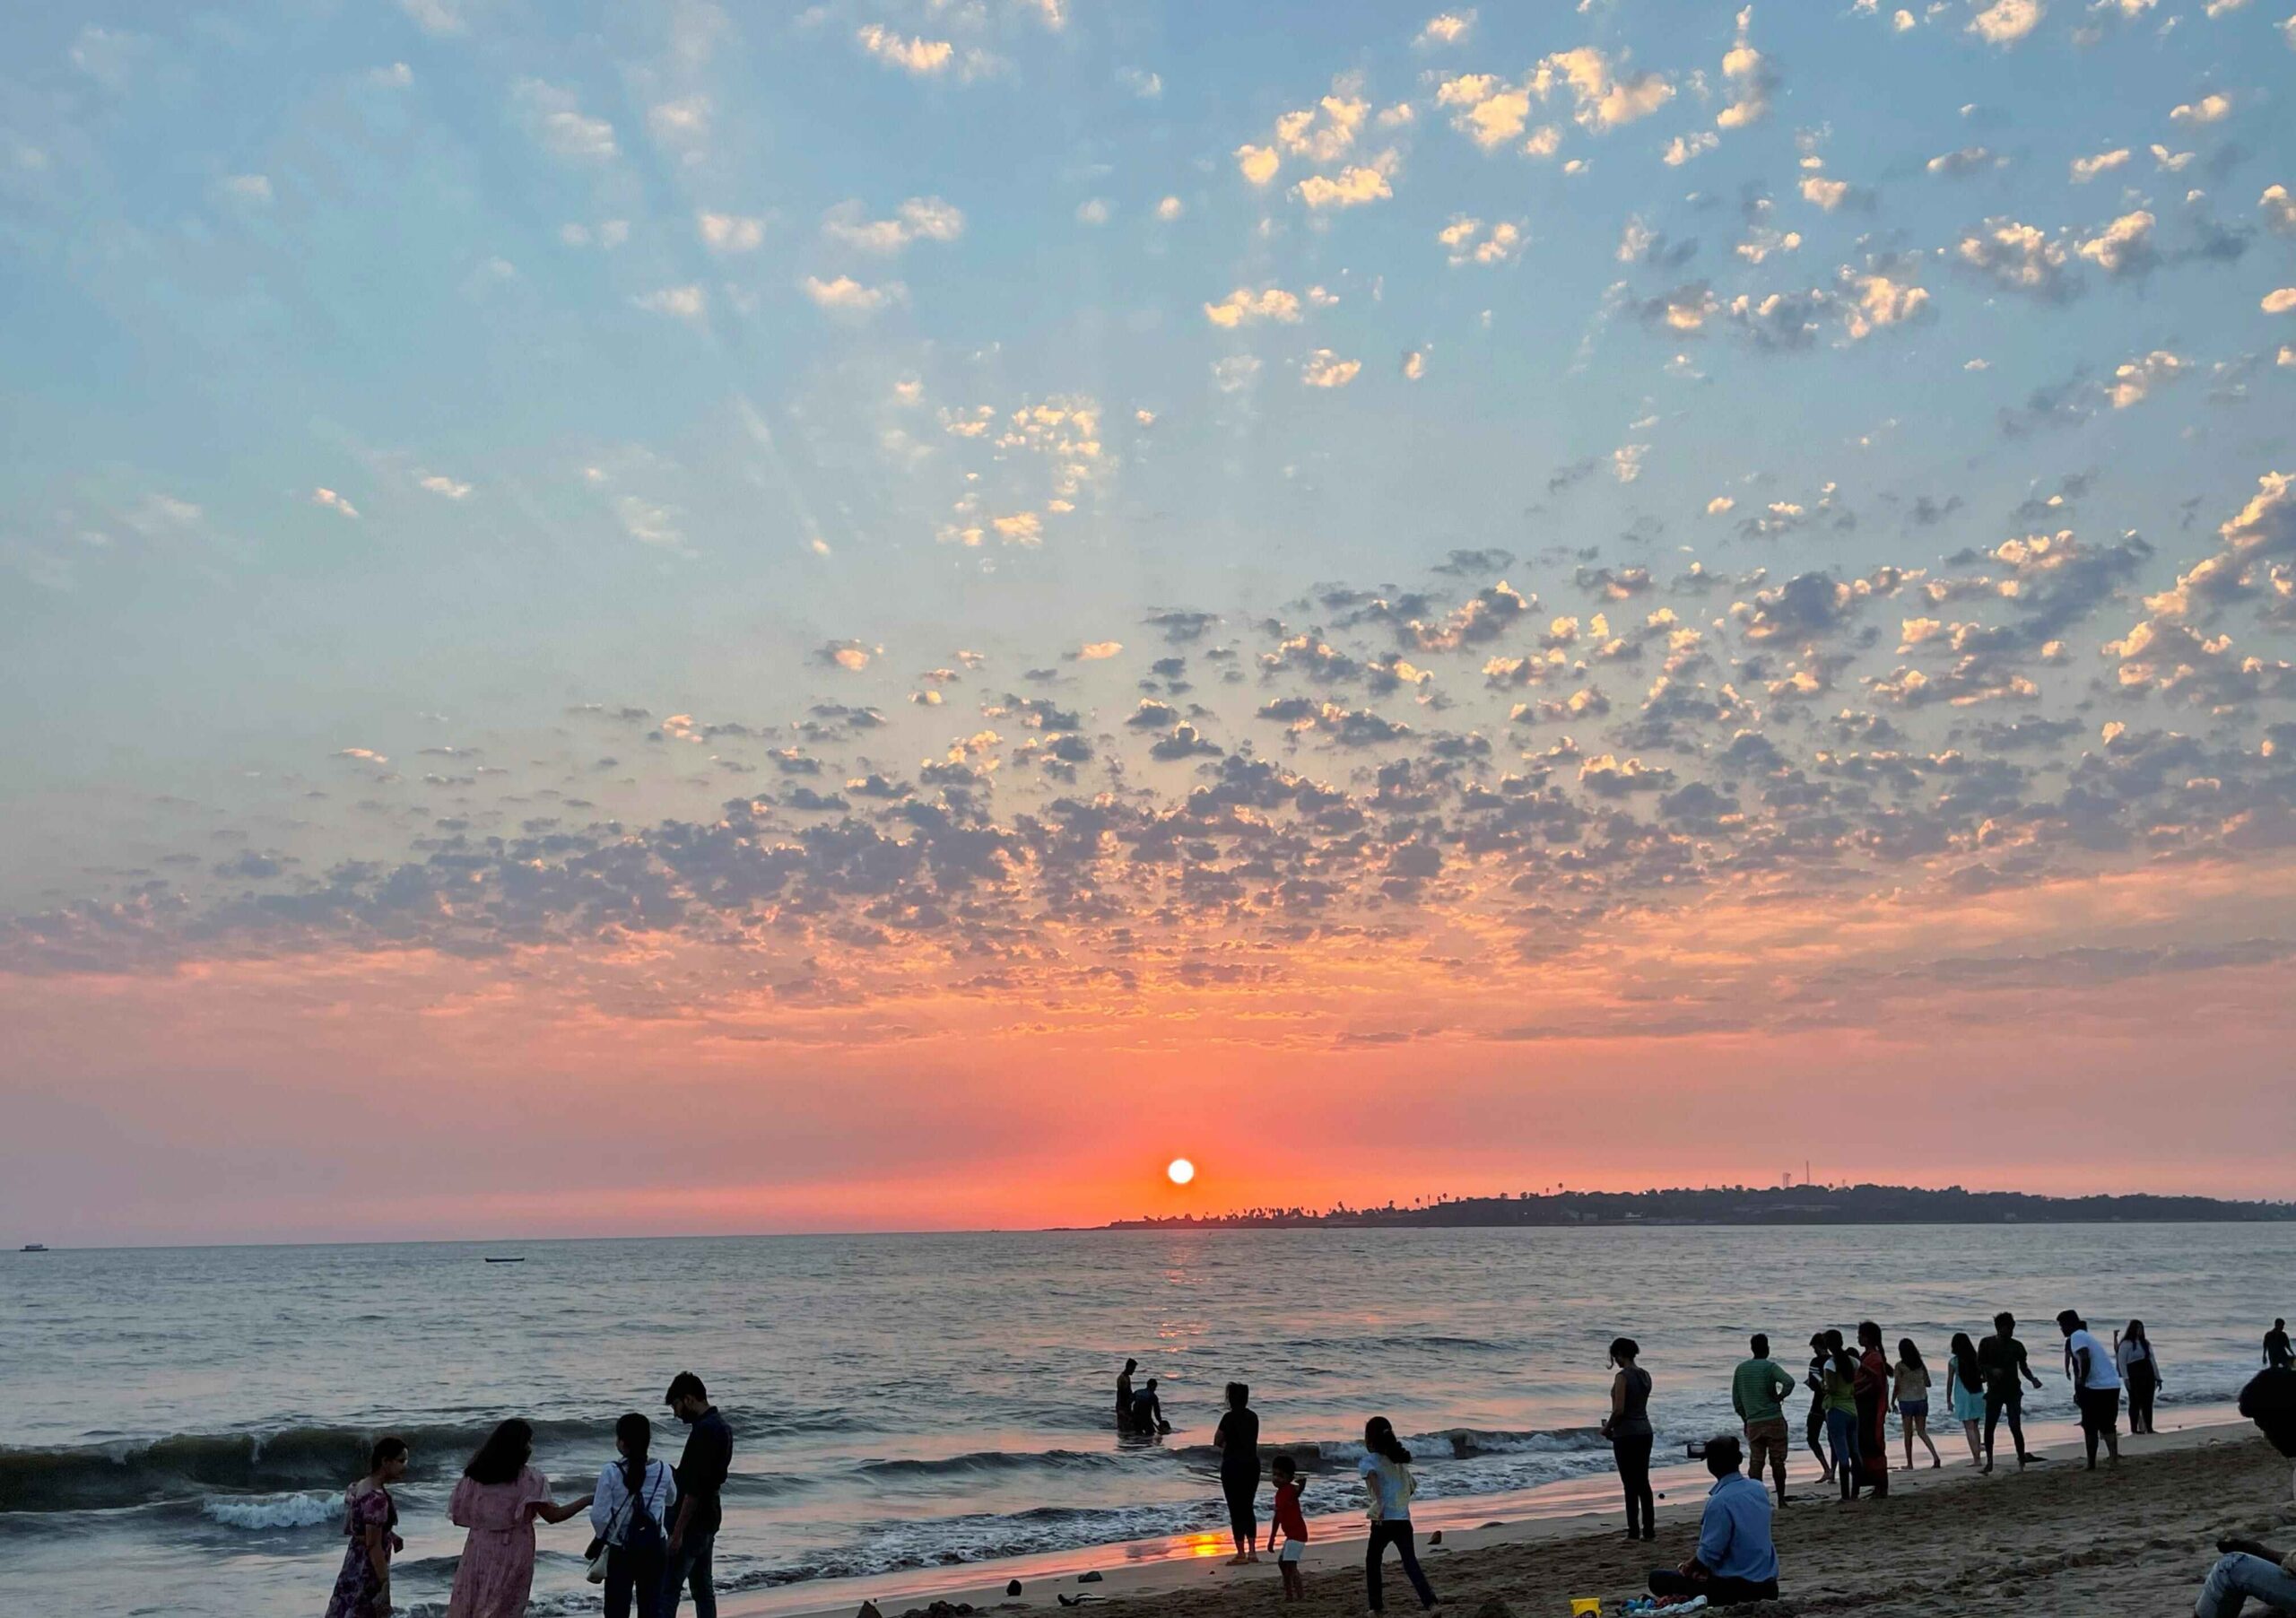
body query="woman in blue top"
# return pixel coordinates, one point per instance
(1968, 1386)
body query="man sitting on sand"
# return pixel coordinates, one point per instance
(1736, 1561)
(2249, 1570)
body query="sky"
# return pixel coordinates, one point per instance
(884, 615)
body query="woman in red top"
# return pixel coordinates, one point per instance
(1873, 1383)
(1292, 1524)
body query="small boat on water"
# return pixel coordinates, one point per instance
(493, 1260)
(33, 1246)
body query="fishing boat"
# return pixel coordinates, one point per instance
(493, 1260)
(33, 1246)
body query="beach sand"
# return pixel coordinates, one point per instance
(2056, 1538)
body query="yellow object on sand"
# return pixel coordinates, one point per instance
(1587, 1606)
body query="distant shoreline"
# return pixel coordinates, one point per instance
(1738, 1206)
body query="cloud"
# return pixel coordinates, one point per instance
(2086, 168)
(1880, 300)
(1352, 188)
(1468, 240)
(1098, 651)
(850, 657)
(2279, 301)
(919, 218)
(1684, 147)
(2019, 257)
(1140, 83)
(918, 58)
(1748, 77)
(439, 483)
(248, 188)
(730, 232)
(1258, 164)
(1488, 111)
(1970, 159)
(1324, 369)
(2007, 21)
(334, 502)
(1445, 28)
(438, 18)
(2134, 380)
(559, 126)
(1605, 96)
(688, 303)
(843, 295)
(1244, 307)
(682, 125)
(2211, 108)
(2125, 246)
(2279, 211)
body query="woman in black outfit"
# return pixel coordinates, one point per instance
(1628, 1427)
(1238, 1442)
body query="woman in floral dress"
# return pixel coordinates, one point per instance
(363, 1589)
(497, 1499)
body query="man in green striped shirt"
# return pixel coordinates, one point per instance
(1758, 1389)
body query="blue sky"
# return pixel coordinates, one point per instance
(395, 400)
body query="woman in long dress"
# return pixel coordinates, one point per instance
(1873, 1388)
(362, 1589)
(497, 1499)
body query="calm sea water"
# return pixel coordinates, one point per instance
(176, 1424)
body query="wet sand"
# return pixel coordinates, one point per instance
(2056, 1538)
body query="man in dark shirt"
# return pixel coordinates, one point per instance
(2001, 1360)
(701, 1475)
(2277, 1355)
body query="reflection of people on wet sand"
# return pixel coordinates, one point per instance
(1124, 1395)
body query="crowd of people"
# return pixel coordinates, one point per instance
(653, 1526)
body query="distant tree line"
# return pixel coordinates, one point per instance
(1865, 1204)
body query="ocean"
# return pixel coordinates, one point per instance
(176, 1424)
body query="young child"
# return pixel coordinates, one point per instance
(1292, 1524)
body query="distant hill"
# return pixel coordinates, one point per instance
(1743, 1205)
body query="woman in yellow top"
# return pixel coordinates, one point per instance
(1840, 1396)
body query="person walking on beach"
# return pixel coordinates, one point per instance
(1627, 1429)
(2247, 1571)
(1288, 1520)
(2140, 1373)
(1237, 1438)
(2001, 1358)
(2277, 1353)
(1967, 1390)
(1873, 1408)
(2096, 1386)
(1814, 1426)
(1839, 1392)
(1737, 1560)
(1124, 1395)
(497, 1499)
(1759, 1389)
(362, 1589)
(1912, 1395)
(634, 1498)
(1385, 1468)
(700, 1478)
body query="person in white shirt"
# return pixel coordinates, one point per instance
(2096, 1386)
(630, 1510)
(1385, 1467)
(2249, 1571)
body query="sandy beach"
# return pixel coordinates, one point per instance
(2136, 1538)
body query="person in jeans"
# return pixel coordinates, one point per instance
(2140, 1373)
(1839, 1393)
(2096, 1386)
(1759, 1388)
(1628, 1427)
(635, 1496)
(2249, 1571)
(2001, 1360)
(1737, 1560)
(1385, 1467)
(700, 1478)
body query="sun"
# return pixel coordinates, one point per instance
(1179, 1172)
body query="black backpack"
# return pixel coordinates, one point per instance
(643, 1535)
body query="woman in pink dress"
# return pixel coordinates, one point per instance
(497, 1499)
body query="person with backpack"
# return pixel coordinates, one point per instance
(633, 1499)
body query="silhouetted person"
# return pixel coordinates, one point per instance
(1814, 1426)
(700, 1476)
(1124, 1394)
(2002, 1360)
(1148, 1410)
(1736, 1561)
(1628, 1427)
(2277, 1355)
(1873, 1383)
(1237, 1438)
(2140, 1374)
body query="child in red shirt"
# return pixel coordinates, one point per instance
(1292, 1524)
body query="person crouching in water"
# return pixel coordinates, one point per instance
(1292, 1523)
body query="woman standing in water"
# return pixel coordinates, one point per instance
(362, 1589)
(1628, 1427)
(497, 1499)
(1385, 1467)
(1967, 1390)
(1840, 1395)
(2140, 1373)
(1237, 1440)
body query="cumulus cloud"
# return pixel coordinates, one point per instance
(1245, 307)
(919, 58)
(843, 295)
(1748, 79)
(2020, 257)
(554, 118)
(1468, 240)
(2124, 247)
(1352, 186)
(1445, 28)
(919, 218)
(729, 232)
(1324, 369)
(2007, 21)
(334, 502)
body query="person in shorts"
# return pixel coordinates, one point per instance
(1759, 1389)
(1292, 1524)
(2096, 1386)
